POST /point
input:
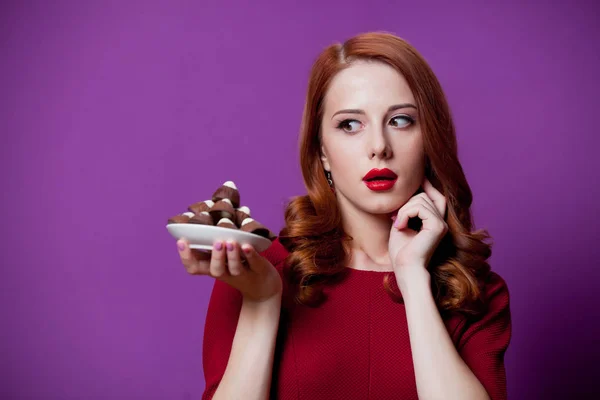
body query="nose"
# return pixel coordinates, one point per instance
(379, 146)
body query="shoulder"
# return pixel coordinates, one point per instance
(484, 340)
(495, 302)
(495, 291)
(495, 317)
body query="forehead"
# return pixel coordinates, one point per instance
(367, 85)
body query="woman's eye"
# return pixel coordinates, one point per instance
(398, 123)
(347, 125)
(352, 125)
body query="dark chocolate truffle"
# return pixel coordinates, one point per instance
(181, 218)
(202, 218)
(241, 214)
(200, 206)
(252, 226)
(226, 223)
(222, 209)
(227, 191)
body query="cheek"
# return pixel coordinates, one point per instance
(341, 155)
(411, 153)
(342, 164)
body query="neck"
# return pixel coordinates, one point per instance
(370, 233)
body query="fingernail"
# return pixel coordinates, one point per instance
(246, 250)
(229, 246)
(180, 246)
(218, 246)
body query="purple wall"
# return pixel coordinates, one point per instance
(114, 117)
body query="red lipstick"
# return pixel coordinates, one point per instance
(379, 180)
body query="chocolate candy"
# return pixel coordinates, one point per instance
(227, 191)
(252, 226)
(222, 209)
(202, 218)
(181, 218)
(200, 206)
(226, 223)
(241, 214)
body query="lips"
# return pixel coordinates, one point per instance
(379, 180)
(380, 174)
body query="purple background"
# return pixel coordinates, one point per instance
(117, 115)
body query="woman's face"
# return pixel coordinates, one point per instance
(370, 121)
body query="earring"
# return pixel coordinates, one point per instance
(328, 175)
(329, 180)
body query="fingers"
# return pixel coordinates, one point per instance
(234, 260)
(421, 198)
(438, 199)
(193, 262)
(201, 255)
(224, 260)
(218, 259)
(424, 197)
(418, 208)
(255, 261)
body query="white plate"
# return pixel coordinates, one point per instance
(203, 237)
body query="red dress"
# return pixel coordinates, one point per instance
(356, 344)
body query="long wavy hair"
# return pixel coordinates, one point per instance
(318, 247)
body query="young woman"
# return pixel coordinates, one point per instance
(376, 288)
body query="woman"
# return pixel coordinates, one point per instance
(376, 288)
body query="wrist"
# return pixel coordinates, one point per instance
(267, 302)
(264, 310)
(413, 281)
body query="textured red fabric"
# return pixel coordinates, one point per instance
(356, 344)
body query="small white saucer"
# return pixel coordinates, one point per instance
(202, 237)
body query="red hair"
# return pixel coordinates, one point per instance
(319, 248)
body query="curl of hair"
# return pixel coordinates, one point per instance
(318, 247)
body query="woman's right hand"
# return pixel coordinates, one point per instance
(239, 266)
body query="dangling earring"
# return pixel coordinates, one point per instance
(329, 180)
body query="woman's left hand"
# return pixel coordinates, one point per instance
(409, 249)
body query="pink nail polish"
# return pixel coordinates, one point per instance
(218, 246)
(229, 246)
(180, 246)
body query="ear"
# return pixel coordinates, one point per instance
(324, 159)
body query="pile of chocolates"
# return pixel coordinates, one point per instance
(223, 210)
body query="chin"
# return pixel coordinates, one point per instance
(382, 207)
(378, 204)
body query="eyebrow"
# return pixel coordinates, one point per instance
(392, 108)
